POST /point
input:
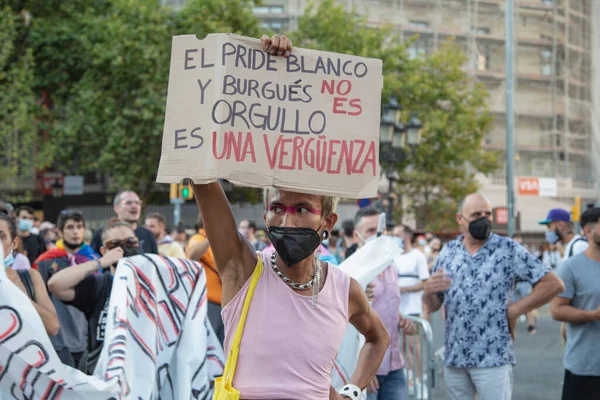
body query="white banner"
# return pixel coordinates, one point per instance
(364, 266)
(158, 344)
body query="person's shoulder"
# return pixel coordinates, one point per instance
(502, 240)
(141, 231)
(573, 264)
(420, 255)
(580, 244)
(453, 244)
(576, 260)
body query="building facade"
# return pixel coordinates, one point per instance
(556, 50)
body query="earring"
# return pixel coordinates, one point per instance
(325, 234)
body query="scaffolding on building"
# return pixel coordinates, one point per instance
(556, 111)
(553, 57)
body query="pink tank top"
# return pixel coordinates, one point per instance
(287, 349)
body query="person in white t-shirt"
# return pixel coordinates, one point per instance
(561, 231)
(560, 227)
(412, 274)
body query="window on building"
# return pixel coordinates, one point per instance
(546, 62)
(276, 9)
(478, 30)
(542, 167)
(418, 49)
(274, 25)
(418, 24)
(482, 59)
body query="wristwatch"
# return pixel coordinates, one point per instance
(351, 391)
(98, 264)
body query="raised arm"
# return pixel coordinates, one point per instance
(62, 284)
(234, 257)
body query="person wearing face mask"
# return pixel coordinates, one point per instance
(87, 286)
(473, 278)
(128, 207)
(301, 307)
(560, 228)
(561, 232)
(33, 245)
(422, 246)
(70, 342)
(579, 307)
(29, 281)
(389, 383)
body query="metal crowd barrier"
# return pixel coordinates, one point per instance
(426, 374)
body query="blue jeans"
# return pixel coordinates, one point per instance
(391, 387)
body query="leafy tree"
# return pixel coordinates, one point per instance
(102, 69)
(17, 100)
(436, 88)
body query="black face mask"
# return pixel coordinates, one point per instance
(129, 251)
(480, 228)
(293, 244)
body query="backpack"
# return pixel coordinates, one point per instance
(27, 282)
(573, 245)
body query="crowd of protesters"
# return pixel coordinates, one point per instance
(66, 270)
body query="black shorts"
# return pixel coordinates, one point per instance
(579, 387)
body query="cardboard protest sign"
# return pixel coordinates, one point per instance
(307, 123)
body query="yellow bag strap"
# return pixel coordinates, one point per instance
(231, 363)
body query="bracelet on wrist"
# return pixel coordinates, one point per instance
(351, 391)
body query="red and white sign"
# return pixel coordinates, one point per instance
(49, 180)
(501, 216)
(544, 187)
(529, 186)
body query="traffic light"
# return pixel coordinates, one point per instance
(186, 190)
(576, 210)
(181, 191)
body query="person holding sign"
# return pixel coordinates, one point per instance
(300, 307)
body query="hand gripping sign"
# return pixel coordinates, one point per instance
(307, 123)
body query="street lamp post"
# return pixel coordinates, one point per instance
(394, 137)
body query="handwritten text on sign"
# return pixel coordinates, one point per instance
(308, 123)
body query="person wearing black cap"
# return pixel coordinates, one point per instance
(561, 228)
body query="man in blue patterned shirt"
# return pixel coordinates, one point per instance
(474, 278)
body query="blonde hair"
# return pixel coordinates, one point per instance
(328, 203)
